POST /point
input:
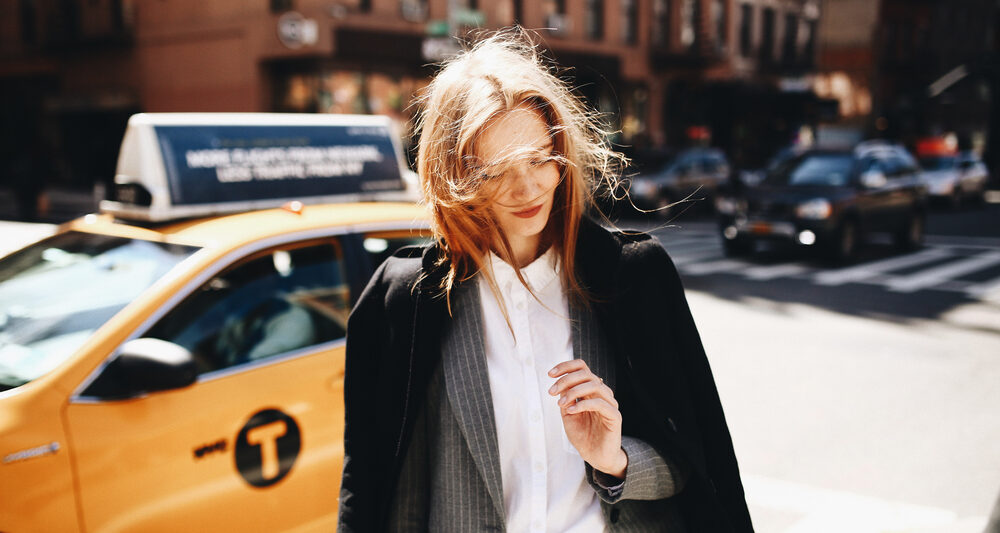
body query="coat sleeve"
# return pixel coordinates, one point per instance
(358, 491)
(648, 476)
(720, 458)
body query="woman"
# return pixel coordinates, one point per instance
(529, 371)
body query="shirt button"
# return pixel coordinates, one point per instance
(520, 305)
(535, 416)
(539, 467)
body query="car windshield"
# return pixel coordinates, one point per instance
(832, 170)
(944, 162)
(55, 293)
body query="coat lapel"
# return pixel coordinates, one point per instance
(468, 387)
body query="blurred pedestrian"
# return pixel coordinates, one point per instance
(529, 370)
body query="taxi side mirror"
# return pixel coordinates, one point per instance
(142, 366)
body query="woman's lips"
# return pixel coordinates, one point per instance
(528, 213)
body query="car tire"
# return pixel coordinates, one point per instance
(955, 200)
(911, 235)
(843, 247)
(737, 247)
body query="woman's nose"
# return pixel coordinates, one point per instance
(524, 184)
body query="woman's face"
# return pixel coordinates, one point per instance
(525, 183)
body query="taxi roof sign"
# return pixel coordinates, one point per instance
(182, 165)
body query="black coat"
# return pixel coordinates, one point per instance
(666, 392)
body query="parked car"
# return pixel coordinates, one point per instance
(176, 363)
(829, 200)
(953, 179)
(695, 174)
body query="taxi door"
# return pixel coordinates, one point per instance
(256, 443)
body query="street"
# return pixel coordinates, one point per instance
(860, 398)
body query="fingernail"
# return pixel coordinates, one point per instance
(562, 401)
(552, 372)
(552, 389)
(572, 408)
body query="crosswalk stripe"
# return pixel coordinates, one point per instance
(686, 259)
(765, 273)
(933, 276)
(867, 270)
(712, 267)
(985, 290)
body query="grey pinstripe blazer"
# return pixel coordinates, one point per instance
(451, 479)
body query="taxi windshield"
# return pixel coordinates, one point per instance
(55, 293)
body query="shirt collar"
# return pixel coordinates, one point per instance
(538, 274)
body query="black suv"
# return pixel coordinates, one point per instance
(828, 200)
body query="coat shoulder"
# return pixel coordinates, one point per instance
(642, 250)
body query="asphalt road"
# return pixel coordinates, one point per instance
(864, 397)
(861, 398)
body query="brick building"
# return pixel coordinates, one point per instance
(668, 72)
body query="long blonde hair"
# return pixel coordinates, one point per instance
(498, 74)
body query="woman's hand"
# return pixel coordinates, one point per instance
(590, 416)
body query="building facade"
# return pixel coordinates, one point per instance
(667, 72)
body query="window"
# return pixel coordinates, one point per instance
(379, 246)
(280, 6)
(689, 26)
(594, 22)
(790, 42)
(630, 21)
(809, 52)
(719, 23)
(661, 22)
(767, 37)
(57, 292)
(414, 10)
(746, 30)
(270, 303)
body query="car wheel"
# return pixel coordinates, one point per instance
(955, 200)
(846, 242)
(911, 236)
(737, 247)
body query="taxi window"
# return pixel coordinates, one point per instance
(270, 303)
(55, 293)
(380, 245)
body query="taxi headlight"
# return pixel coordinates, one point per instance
(814, 209)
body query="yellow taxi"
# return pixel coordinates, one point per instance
(175, 363)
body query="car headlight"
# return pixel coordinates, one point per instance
(726, 206)
(642, 188)
(814, 209)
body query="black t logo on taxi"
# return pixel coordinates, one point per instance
(267, 447)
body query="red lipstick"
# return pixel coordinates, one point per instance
(528, 213)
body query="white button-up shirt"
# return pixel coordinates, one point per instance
(544, 481)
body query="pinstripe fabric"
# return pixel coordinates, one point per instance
(451, 479)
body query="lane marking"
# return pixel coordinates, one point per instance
(933, 276)
(868, 270)
(712, 267)
(766, 273)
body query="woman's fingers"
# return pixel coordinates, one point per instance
(567, 366)
(587, 389)
(596, 405)
(571, 380)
